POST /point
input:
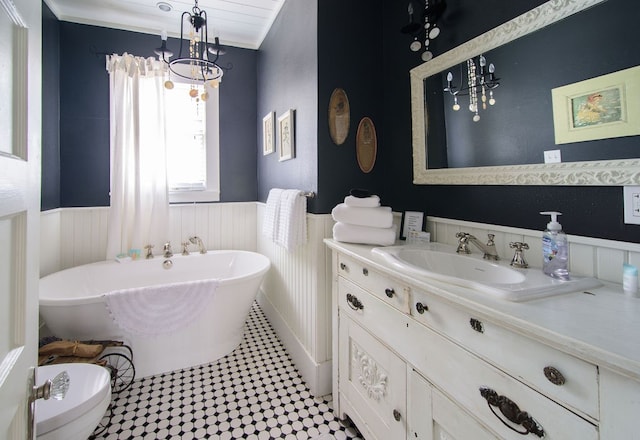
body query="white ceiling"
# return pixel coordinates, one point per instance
(241, 23)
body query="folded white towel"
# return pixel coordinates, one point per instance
(364, 234)
(379, 217)
(362, 202)
(158, 310)
(270, 225)
(292, 224)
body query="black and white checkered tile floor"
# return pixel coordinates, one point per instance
(253, 393)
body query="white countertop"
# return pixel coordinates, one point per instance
(601, 327)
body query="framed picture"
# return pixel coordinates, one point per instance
(268, 134)
(287, 135)
(598, 108)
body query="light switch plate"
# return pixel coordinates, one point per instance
(552, 156)
(632, 205)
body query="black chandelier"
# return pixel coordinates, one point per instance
(425, 28)
(200, 64)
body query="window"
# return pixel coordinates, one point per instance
(192, 145)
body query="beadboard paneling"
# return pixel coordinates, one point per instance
(587, 256)
(298, 285)
(74, 236)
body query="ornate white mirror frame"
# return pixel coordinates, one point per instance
(604, 172)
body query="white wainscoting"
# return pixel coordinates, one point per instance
(588, 256)
(74, 236)
(296, 297)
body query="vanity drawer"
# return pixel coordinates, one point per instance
(564, 378)
(391, 291)
(467, 379)
(387, 323)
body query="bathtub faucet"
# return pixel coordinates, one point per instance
(197, 240)
(167, 250)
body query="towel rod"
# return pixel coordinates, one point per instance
(309, 194)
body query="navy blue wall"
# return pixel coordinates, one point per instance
(589, 211)
(288, 79)
(84, 114)
(350, 57)
(310, 50)
(50, 110)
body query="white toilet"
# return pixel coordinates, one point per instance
(78, 414)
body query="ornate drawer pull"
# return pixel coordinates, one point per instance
(344, 266)
(476, 325)
(389, 292)
(365, 271)
(396, 415)
(421, 308)
(510, 410)
(554, 376)
(354, 302)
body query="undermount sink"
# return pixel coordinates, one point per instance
(441, 262)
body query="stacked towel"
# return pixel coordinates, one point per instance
(378, 217)
(363, 220)
(285, 219)
(362, 202)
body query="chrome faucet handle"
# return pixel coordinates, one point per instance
(149, 254)
(167, 250)
(518, 257)
(185, 248)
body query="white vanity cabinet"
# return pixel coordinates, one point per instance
(411, 363)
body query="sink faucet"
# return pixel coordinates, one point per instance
(197, 240)
(518, 257)
(167, 250)
(489, 249)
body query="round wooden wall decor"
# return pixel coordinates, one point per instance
(339, 116)
(366, 145)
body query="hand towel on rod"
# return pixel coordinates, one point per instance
(292, 224)
(272, 214)
(379, 217)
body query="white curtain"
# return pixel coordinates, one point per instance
(139, 192)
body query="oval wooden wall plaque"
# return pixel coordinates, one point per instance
(339, 116)
(366, 145)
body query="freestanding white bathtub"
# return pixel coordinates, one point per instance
(73, 305)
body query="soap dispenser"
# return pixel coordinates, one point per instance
(555, 249)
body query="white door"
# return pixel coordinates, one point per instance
(20, 133)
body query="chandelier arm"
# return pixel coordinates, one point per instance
(181, 32)
(204, 37)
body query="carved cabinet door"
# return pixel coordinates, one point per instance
(373, 382)
(433, 416)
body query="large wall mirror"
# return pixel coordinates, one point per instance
(510, 140)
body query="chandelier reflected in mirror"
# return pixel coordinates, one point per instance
(481, 82)
(198, 64)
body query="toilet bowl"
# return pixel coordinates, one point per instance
(78, 414)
